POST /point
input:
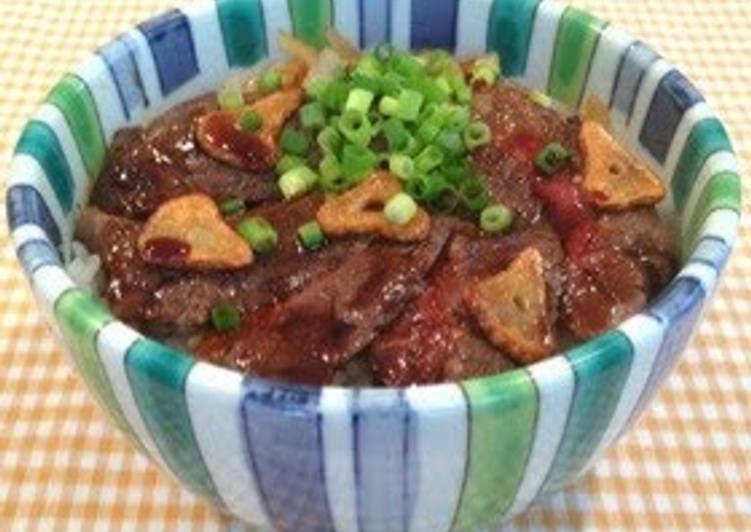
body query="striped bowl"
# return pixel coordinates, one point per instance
(464, 455)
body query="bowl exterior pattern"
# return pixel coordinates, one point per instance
(461, 456)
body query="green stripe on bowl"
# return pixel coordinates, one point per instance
(509, 30)
(722, 191)
(40, 142)
(578, 34)
(81, 316)
(72, 96)
(707, 137)
(601, 368)
(243, 31)
(310, 19)
(157, 377)
(502, 414)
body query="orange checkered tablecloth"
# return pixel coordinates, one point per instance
(686, 464)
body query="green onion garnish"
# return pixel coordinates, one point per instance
(452, 143)
(312, 115)
(232, 206)
(259, 233)
(496, 218)
(225, 317)
(486, 69)
(476, 134)
(294, 141)
(287, 162)
(229, 98)
(329, 140)
(400, 209)
(311, 236)
(405, 107)
(473, 195)
(270, 81)
(250, 121)
(296, 182)
(357, 161)
(401, 165)
(552, 158)
(356, 127)
(359, 100)
(429, 158)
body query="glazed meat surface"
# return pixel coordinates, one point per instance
(394, 311)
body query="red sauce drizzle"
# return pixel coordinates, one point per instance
(222, 131)
(164, 251)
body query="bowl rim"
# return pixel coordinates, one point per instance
(667, 296)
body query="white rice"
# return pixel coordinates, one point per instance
(85, 267)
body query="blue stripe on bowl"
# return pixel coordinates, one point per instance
(119, 55)
(674, 96)
(375, 22)
(381, 423)
(34, 254)
(27, 206)
(713, 251)
(542, 45)
(283, 428)
(634, 63)
(39, 141)
(172, 47)
(434, 24)
(677, 309)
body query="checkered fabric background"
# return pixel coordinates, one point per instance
(686, 465)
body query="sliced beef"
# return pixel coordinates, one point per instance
(436, 339)
(130, 281)
(308, 336)
(147, 166)
(520, 129)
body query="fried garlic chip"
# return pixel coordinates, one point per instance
(613, 177)
(360, 211)
(189, 232)
(220, 135)
(511, 308)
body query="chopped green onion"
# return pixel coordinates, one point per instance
(429, 158)
(406, 64)
(434, 123)
(476, 134)
(232, 206)
(259, 233)
(417, 186)
(287, 162)
(552, 158)
(230, 98)
(457, 117)
(451, 142)
(297, 182)
(384, 51)
(369, 65)
(540, 98)
(356, 127)
(444, 199)
(329, 167)
(312, 115)
(400, 209)
(334, 94)
(294, 141)
(250, 121)
(496, 218)
(486, 69)
(329, 139)
(357, 161)
(473, 195)
(225, 317)
(270, 81)
(406, 106)
(401, 165)
(359, 100)
(310, 235)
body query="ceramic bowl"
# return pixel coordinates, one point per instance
(464, 455)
